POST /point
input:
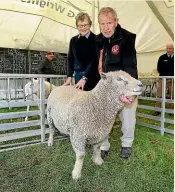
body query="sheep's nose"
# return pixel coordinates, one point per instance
(140, 84)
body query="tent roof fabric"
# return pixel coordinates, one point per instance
(49, 25)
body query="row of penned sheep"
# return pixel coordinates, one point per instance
(88, 117)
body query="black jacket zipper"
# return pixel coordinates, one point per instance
(106, 54)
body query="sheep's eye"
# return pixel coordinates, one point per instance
(121, 78)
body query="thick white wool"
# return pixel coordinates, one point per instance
(89, 116)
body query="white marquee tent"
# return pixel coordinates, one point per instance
(49, 24)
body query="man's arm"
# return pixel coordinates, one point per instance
(129, 63)
(129, 56)
(41, 67)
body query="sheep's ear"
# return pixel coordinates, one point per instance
(103, 75)
(36, 80)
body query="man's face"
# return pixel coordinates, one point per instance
(170, 49)
(83, 27)
(107, 23)
(50, 57)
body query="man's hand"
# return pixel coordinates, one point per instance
(81, 84)
(68, 81)
(127, 100)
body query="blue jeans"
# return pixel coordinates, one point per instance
(78, 76)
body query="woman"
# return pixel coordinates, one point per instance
(82, 57)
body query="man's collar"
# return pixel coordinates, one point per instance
(170, 55)
(87, 35)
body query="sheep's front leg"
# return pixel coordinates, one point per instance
(76, 173)
(97, 155)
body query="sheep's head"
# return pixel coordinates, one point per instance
(31, 87)
(123, 83)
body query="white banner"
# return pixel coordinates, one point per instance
(61, 11)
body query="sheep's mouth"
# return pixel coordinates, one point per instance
(137, 92)
(133, 93)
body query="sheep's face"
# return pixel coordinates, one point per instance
(32, 87)
(123, 83)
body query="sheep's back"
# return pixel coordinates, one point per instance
(60, 102)
(79, 112)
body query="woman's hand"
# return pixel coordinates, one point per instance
(68, 81)
(80, 84)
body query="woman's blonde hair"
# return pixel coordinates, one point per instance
(81, 17)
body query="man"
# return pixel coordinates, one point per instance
(46, 65)
(116, 51)
(82, 58)
(165, 67)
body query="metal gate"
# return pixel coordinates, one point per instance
(20, 61)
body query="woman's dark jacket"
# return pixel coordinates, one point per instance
(83, 60)
(119, 51)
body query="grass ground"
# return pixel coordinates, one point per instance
(39, 168)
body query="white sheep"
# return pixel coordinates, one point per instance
(32, 91)
(88, 117)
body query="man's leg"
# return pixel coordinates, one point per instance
(106, 145)
(159, 95)
(128, 119)
(170, 87)
(105, 148)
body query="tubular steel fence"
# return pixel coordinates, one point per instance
(16, 132)
(158, 91)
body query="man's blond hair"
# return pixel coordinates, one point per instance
(170, 45)
(106, 10)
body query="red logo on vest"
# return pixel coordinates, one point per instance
(115, 49)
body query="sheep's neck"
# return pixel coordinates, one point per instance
(107, 100)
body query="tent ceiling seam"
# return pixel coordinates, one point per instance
(160, 18)
(34, 33)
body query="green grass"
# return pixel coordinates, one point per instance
(40, 168)
(22, 119)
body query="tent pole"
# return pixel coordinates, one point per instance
(98, 5)
(93, 15)
(29, 61)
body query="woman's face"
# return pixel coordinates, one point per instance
(83, 27)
